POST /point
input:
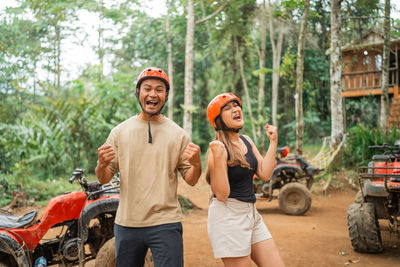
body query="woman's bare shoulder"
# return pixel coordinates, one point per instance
(248, 139)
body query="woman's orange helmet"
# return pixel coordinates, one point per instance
(215, 106)
(152, 73)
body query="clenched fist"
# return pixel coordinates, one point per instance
(218, 149)
(272, 132)
(192, 154)
(105, 155)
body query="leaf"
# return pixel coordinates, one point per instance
(262, 70)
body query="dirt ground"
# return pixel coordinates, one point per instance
(319, 238)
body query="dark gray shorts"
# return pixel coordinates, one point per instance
(165, 242)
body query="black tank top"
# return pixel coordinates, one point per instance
(241, 178)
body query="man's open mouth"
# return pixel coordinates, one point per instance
(152, 103)
(237, 117)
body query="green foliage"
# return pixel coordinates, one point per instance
(185, 203)
(47, 129)
(356, 152)
(315, 97)
(20, 49)
(32, 191)
(64, 133)
(312, 147)
(312, 124)
(362, 110)
(359, 17)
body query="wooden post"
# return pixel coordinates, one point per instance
(344, 114)
(396, 91)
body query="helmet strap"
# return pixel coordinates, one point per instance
(225, 128)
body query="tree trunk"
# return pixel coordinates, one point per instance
(383, 120)
(190, 27)
(187, 115)
(170, 65)
(299, 80)
(100, 41)
(246, 90)
(261, 81)
(337, 126)
(276, 64)
(276, 60)
(58, 56)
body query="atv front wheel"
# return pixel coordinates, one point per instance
(359, 197)
(291, 175)
(363, 228)
(4, 262)
(106, 256)
(294, 199)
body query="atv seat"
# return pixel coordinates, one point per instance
(378, 189)
(17, 221)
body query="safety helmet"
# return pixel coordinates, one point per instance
(215, 106)
(152, 73)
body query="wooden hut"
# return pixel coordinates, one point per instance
(362, 70)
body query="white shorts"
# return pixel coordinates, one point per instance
(233, 226)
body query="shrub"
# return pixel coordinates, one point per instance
(32, 191)
(356, 151)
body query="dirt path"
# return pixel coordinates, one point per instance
(316, 239)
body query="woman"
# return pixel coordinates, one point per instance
(236, 230)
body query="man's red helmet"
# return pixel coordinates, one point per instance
(152, 73)
(215, 106)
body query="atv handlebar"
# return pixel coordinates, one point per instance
(393, 150)
(94, 187)
(77, 174)
(384, 146)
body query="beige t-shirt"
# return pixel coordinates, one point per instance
(148, 171)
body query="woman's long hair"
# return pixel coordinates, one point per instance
(235, 155)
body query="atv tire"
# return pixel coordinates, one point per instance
(294, 199)
(4, 262)
(310, 182)
(106, 256)
(359, 198)
(363, 227)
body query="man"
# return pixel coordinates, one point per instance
(148, 150)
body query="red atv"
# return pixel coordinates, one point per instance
(83, 220)
(378, 199)
(292, 177)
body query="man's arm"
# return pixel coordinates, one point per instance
(192, 154)
(105, 155)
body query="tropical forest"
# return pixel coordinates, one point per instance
(324, 72)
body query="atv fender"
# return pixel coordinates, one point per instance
(92, 210)
(10, 246)
(277, 171)
(281, 167)
(374, 190)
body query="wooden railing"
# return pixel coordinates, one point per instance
(364, 80)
